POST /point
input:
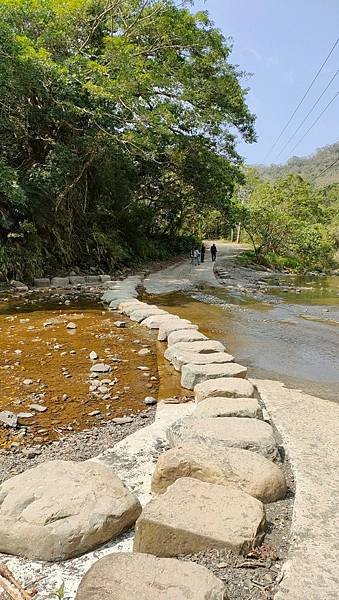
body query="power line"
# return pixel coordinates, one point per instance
(308, 114)
(315, 122)
(327, 168)
(303, 98)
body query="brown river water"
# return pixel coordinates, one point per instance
(280, 334)
(35, 344)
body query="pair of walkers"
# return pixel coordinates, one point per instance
(198, 256)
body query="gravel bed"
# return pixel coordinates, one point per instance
(256, 575)
(79, 446)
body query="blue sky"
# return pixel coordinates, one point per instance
(283, 43)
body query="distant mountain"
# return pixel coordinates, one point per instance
(308, 167)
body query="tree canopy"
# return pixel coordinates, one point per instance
(118, 123)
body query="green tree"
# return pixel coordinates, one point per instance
(118, 122)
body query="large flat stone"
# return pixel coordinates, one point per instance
(136, 576)
(62, 509)
(249, 471)
(129, 302)
(169, 326)
(185, 335)
(192, 374)
(192, 516)
(178, 358)
(129, 310)
(202, 347)
(228, 432)
(228, 387)
(140, 314)
(228, 407)
(155, 321)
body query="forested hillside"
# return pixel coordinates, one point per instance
(309, 167)
(118, 123)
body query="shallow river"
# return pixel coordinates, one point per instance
(291, 335)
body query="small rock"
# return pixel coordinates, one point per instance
(103, 389)
(94, 413)
(48, 323)
(27, 381)
(38, 408)
(25, 415)
(64, 397)
(144, 351)
(149, 400)
(71, 325)
(143, 368)
(31, 452)
(122, 420)
(120, 324)
(93, 355)
(100, 368)
(17, 351)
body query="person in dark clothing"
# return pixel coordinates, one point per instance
(202, 252)
(214, 252)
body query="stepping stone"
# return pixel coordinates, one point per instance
(168, 327)
(130, 302)
(136, 576)
(128, 310)
(203, 347)
(193, 516)
(249, 471)
(178, 358)
(191, 375)
(154, 321)
(61, 509)
(141, 314)
(225, 432)
(228, 407)
(116, 303)
(185, 335)
(227, 387)
(114, 295)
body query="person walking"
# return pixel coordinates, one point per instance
(197, 257)
(214, 252)
(202, 253)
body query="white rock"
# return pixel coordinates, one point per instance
(178, 358)
(225, 432)
(185, 335)
(173, 325)
(93, 355)
(228, 407)
(71, 325)
(202, 347)
(228, 387)
(191, 375)
(100, 368)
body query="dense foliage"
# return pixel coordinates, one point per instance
(312, 168)
(289, 222)
(118, 123)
